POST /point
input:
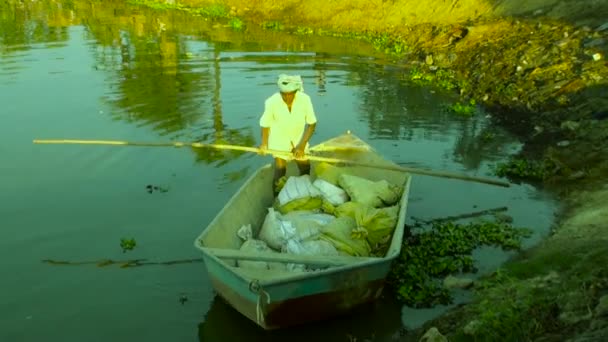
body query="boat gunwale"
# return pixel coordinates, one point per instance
(393, 252)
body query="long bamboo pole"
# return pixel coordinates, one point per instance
(284, 155)
(432, 173)
(161, 144)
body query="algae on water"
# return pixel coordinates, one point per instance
(445, 248)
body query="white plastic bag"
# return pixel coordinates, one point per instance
(275, 231)
(333, 194)
(252, 245)
(245, 232)
(297, 188)
(320, 218)
(311, 247)
(306, 223)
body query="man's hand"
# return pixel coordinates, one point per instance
(298, 152)
(263, 148)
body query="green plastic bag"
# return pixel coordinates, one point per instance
(304, 204)
(373, 194)
(328, 172)
(339, 233)
(378, 222)
(327, 207)
(331, 173)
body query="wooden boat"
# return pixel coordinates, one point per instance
(276, 299)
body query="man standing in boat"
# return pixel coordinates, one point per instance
(287, 124)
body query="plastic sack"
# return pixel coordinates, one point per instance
(327, 207)
(378, 222)
(307, 215)
(311, 247)
(306, 227)
(328, 172)
(297, 188)
(245, 232)
(275, 231)
(307, 223)
(381, 225)
(330, 192)
(339, 233)
(298, 193)
(310, 203)
(373, 194)
(331, 173)
(253, 245)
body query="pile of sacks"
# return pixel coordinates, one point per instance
(337, 214)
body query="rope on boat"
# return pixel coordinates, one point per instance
(255, 287)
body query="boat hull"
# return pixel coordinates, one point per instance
(297, 302)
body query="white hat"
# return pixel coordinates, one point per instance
(288, 84)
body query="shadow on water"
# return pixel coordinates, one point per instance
(169, 76)
(374, 322)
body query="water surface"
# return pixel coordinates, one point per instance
(82, 70)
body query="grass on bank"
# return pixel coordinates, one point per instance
(551, 293)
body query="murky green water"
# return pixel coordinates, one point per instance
(79, 70)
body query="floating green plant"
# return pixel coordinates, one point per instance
(127, 244)
(446, 248)
(521, 168)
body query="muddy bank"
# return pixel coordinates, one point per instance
(540, 69)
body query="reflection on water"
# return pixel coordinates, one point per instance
(104, 70)
(379, 322)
